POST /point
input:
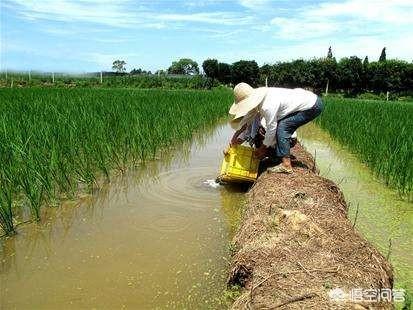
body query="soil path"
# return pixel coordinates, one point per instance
(296, 246)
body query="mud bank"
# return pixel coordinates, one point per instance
(295, 245)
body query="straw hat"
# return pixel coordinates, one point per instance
(246, 99)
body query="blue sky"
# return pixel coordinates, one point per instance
(87, 35)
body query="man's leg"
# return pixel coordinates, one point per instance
(286, 128)
(282, 147)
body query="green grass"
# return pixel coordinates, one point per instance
(55, 141)
(379, 132)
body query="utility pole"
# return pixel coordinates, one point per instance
(101, 77)
(328, 81)
(266, 81)
(53, 77)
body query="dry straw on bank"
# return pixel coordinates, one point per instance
(295, 244)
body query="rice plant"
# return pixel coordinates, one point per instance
(6, 212)
(52, 140)
(379, 132)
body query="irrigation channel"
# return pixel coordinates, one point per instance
(159, 236)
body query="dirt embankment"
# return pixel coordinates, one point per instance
(295, 244)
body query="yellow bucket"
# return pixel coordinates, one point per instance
(239, 165)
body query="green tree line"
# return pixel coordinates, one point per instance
(349, 75)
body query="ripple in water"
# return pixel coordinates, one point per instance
(170, 222)
(185, 188)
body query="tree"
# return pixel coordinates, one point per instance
(139, 71)
(245, 71)
(329, 53)
(330, 72)
(160, 72)
(136, 71)
(366, 62)
(265, 70)
(119, 66)
(224, 73)
(323, 75)
(383, 55)
(366, 73)
(301, 75)
(350, 73)
(265, 74)
(184, 66)
(408, 83)
(390, 75)
(210, 67)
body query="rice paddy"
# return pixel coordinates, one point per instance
(55, 142)
(48, 80)
(379, 132)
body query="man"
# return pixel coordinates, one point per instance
(254, 133)
(283, 109)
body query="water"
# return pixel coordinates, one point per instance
(383, 217)
(154, 238)
(158, 236)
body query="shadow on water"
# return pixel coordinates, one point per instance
(232, 203)
(156, 236)
(378, 211)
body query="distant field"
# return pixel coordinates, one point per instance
(53, 139)
(118, 81)
(380, 132)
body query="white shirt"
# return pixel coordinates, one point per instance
(252, 129)
(280, 102)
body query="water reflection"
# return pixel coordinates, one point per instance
(232, 204)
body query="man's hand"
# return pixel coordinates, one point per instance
(236, 141)
(261, 152)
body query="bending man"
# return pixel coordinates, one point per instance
(283, 109)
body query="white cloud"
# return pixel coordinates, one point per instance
(202, 3)
(398, 46)
(392, 11)
(348, 18)
(294, 28)
(121, 13)
(254, 4)
(352, 27)
(264, 30)
(111, 13)
(225, 34)
(220, 18)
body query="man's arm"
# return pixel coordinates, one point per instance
(271, 121)
(235, 140)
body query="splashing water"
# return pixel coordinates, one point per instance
(212, 183)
